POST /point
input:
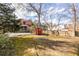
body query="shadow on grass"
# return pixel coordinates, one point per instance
(77, 46)
(22, 45)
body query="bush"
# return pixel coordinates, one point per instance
(6, 46)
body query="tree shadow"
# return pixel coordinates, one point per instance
(22, 45)
(77, 46)
(56, 45)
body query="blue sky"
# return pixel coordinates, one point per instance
(56, 9)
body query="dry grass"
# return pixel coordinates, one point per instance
(46, 46)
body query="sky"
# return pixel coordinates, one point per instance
(55, 10)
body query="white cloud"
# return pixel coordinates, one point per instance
(54, 21)
(20, 13)
(32, 14)
(61, 10)
(56, 10)
(52, 10)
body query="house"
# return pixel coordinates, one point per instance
(57, 29)
(25, 25)
(70, 29)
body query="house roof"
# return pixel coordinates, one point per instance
(25, 22)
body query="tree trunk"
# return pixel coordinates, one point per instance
(39, 15)
(74, 19)
(39, 23)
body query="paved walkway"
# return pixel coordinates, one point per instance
(16, 34)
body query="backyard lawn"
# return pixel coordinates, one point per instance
(39, 29)
(34, 45)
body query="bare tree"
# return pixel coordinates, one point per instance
(37, 11)
(31, 7)
(74, 18)
(59, 18)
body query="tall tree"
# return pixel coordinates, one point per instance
(74, 18)
(7, 17)
(37, 11)
(32, 7)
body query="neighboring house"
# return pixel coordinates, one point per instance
(25, 25)
(66, 29)
(63, 29)
(57, 28)
(70, 28)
